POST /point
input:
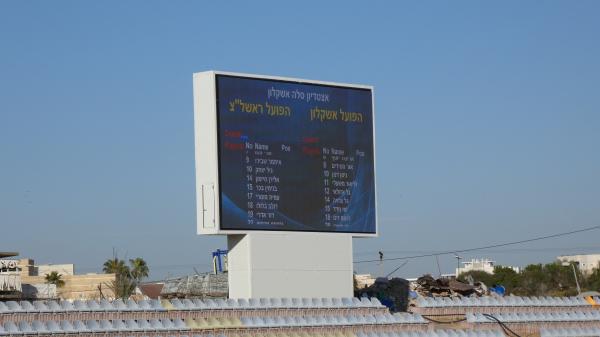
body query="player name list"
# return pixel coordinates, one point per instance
(263, 164)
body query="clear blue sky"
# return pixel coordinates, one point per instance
(488, 121)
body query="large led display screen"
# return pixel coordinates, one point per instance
(295, 156)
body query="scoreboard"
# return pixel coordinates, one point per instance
(279, 154)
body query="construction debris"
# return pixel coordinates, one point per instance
(443, 287)
(196, 286)
(393, 293)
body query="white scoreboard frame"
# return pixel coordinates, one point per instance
(207, 153)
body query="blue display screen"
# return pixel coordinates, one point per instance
(295, 156)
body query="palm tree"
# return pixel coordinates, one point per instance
(55, 278)
(126, 277)
(122, 285)
(115, 266)
(139, 269)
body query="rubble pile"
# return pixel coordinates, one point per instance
(393, 293)
(442, 287)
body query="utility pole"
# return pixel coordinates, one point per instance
(576, 281)
(437, 261)
(458, 258)
(574, 274)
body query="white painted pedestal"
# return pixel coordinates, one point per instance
(282, 264)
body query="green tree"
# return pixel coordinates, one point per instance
(139, 269)
(127, 277)
(55, 278)
(592, 281)
(506, 277)
(122, 286)
(552, 279)
(560, 279)
(478, 276)
(115, 266)
(532, 281)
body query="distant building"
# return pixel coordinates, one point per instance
(151, 290)
(10, 277)
(77, 287)
(23, 279)
(63, 269)
(485, 265)
(364, 280)
(585, 262)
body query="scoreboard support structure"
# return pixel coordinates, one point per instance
(284, 264)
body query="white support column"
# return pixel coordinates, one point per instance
(282, 264)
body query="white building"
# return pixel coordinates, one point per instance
(363, 280)
(62, 269)
(485, 265)
(10, 274)
(585, 262)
